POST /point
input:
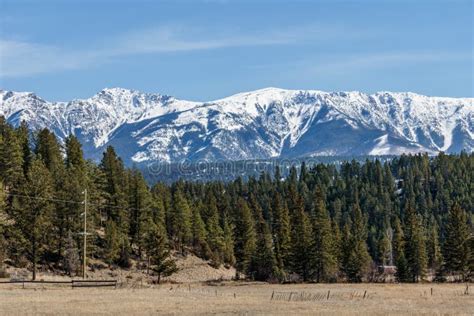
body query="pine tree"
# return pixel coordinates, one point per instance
(263, 266)
(200, 234)
(471, 257)
(5, 221)
(385, 248)
(70, 188)
(435, 258)
(356, 256)
(115, 189)
(158, 252)
(112, 243)
(281, 232)
(245, 237)
(215, 234)
(301, 240)
(4, 218)
(140, 204)
(34, 216)
(23, 135)
(11, 160)
(415, 245)
(399, 253)
(48, 149)
(181, 220)
(72, 261)
(324, 260)
(228, 251)
(337, 242)
(456, 248)
(116, 206)
(74, 154)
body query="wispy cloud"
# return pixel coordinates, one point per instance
(21, 58)
(344, 64)
(388, 59)
(18, 58)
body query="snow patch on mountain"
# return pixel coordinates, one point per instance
(259, 124)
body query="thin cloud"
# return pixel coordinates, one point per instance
(20, 58)
(389, 59)
(377, 60)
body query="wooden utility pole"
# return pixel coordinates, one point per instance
(85, 237)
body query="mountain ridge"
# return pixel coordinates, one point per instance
(265, 123)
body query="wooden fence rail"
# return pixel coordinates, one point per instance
(73, 283)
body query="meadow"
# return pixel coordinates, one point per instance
(240, 299)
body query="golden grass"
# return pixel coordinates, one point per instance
(239, 299)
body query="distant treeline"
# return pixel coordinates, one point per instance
(318, 224)
(228, 170)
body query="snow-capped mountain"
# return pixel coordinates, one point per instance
(253, 125)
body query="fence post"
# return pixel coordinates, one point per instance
(365, 293)
(329, 292)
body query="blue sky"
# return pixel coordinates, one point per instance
(204, 50)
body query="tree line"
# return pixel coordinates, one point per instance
(321, 223)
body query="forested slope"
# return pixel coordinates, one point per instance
(320, 223)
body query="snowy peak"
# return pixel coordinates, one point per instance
(264, 123)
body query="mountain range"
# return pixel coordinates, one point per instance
(261, 124)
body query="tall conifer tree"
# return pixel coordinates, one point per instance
(456, 247)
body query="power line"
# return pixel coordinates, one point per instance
(44, 199)
(73, 202)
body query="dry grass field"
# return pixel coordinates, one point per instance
(239, 299)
